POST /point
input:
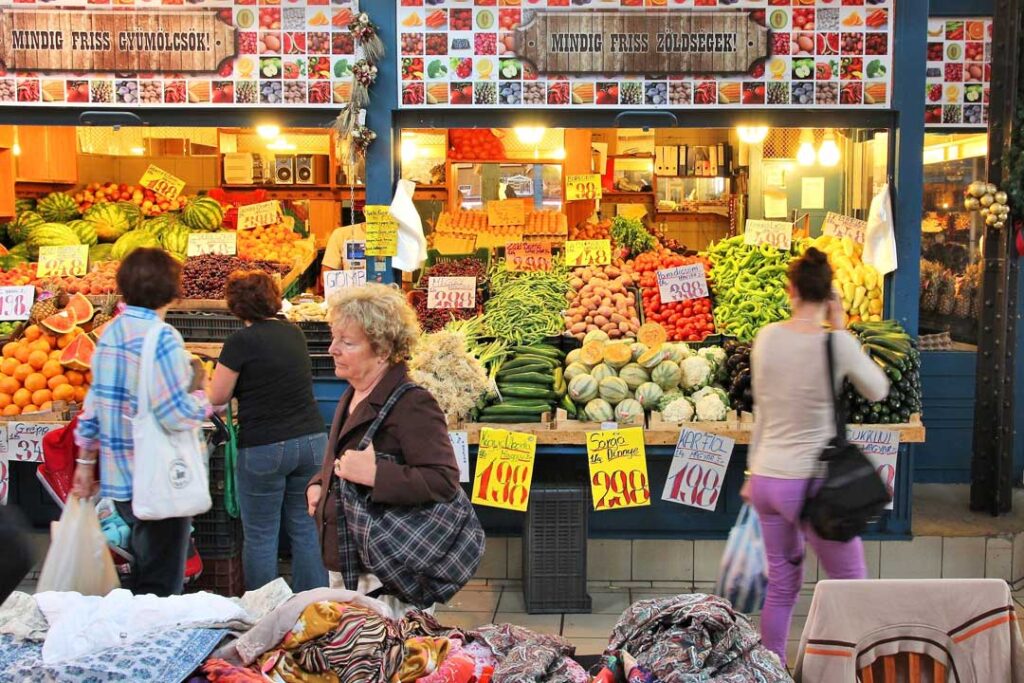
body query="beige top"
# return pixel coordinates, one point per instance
(335, 257)
(793, 411)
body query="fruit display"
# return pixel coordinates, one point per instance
(602, 298)
(203, 214)
(859, 283)
(544, 225)
(896, 353)
(99, 280)
(475, 144)
(277, 242)
(601, 230)
(749, 285)
(691, 320)
(737, 366)
(529, 384)
(204, 277)
(150, 203)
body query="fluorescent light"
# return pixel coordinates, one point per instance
(752, 135)
(268, 131)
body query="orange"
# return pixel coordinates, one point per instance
(9, 349)
(56, 381)
(79, 394)
(22, 397)
(43, 344)
(22, 352)
(23, 371)
(56, 354)
(51, 368)
(9, 365)
(75, 378)
(46, 406)
(64, 340)
(29, 409)
(64, 392)
(42, 396)
(12, 410)
(8, 385)
(37, 359)
(32, 332)
(5, 400)
(35, 382)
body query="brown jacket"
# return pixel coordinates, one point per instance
(415, 430)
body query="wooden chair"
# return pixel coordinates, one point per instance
(905, 667)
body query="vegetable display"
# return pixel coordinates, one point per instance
(859, 283)
(631, 236)
(749, 284)
(896, 352)
(526, 307)
(690, 320)
(600, 298)
(443, 365)
(737, 366)
(530, 383)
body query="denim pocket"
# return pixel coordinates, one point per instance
(262, 460)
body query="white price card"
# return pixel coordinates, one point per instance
(256, 215)
(460, 444)
(882, 448)
(336, 280)
(778, 234)
(218, 243)
(682, 283)
(451, 292)
(63, 261)
(25, 440)
(16, 302)
(838, 225)
(698, 468)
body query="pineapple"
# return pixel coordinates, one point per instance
(106, 313)
(929, 285)
(964, 293)
(44, 307)
(946, 293)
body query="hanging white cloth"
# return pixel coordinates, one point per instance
(412, 245)
(880, 235)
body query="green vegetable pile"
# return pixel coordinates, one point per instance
(749, 284)
(526, 307)
(896, 352)
(529, 382)
(630, 233)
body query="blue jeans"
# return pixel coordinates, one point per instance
(272, 484)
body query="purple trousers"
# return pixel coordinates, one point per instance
(778, 503)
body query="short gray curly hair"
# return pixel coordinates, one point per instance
(386, 317)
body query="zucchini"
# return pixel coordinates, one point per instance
(515, 409)
(568, 406)
(526, 391)
(529, 359)
(892, 358)
(511, 418)
(532, 367)
(900, 344)
(529, 377)
(540, 350)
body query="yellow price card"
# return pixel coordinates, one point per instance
(160, 181)
(63, 261)
(588, 252)
(504, 469)
(506, 212)
(618, 469)
(586, 186)
(381, 231)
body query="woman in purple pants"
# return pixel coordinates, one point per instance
(794, 424)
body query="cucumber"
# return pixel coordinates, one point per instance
(515, 409)
(568, 406)
(892, 358)
(510, 419)
(540, 350)
(529, 359)
(526, 391)
(532, 367)
(529, 377)
(900, 344)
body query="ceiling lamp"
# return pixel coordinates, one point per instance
(806, 155)
(752, 135)
(530, 135)
(268, 131)
(828, 155)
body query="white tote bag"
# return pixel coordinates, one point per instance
(170, 477)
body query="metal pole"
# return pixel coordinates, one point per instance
(992, 456)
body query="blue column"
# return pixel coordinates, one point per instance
(380, 180)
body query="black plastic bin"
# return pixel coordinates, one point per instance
(555, 549)
(318, 336)
(217, 535)
(204, 327)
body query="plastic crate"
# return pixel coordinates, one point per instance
(322, 364)
(555, 549)
(217, 534)
(221, 576)
(204, 327)
(318, 336)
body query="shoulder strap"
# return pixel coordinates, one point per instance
(837, 404)
(382, 415)
(147, 362)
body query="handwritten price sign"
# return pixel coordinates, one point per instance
(451, 292)
(163, 183)
(588, 252)
(838, 225)
(777, 234)
(507, 212)
(257, 215)
(618, 469)
(882, 448)
(586, 186)
(25, 440)
(16, 302)
(682, 283)
(336, 280)
(219, 243)
(381, 231)
(528, 256)
(504, 469)
(698, 469)
(63, 261)
(460, 444)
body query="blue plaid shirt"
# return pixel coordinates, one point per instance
(105, 421)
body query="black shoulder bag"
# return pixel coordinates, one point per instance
(853, 493)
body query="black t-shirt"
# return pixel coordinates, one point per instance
(275, 383)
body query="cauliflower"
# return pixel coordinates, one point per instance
(679, 410)
(710, 408)
(668, 397)
(697, 373)
(709, 390)
(716, 356)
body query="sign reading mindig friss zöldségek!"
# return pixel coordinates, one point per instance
(153, 53)
(562, 53)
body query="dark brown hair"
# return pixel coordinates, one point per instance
(149, 278)
(252, 295)
(811, 275)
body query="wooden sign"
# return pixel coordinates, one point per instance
(257, 215)
(504, 469)
(680, 42)
(682, 283)
(219, 243)
(778, 234)
(585, 186)
(451, 292)
(16, 302)
(114, 40)
(162, 182)
(63, 261)
(528, 256)
(838, 225)
(335, 280)
(882, 448)
(618, 469)
(506, 212)
(698, 468)
(588, 252)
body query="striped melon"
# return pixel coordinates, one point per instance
(132, 212)
(613, 389)
(629, 412)
(108, 220)
(203, 214)
(582, 388)
(131, 241)
(25, 221)
(57, 207)
(649, 394)
(85, 231)
(50, 235)
(598, 410)
(100, 252)
(174, 238)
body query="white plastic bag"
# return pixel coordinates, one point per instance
(169, 478)
(78, 559)
(743, 573)
(880, 235)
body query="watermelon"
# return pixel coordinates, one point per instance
(23, 204)
(602, 371)
(629, 412)
(582, 388)
(634, 376)
(23, 222)
(19, 252)
(203, 214)
(667, 375)
(50, 235)
(598, 410)
(132, 212)
(108, 220)
(573, 370)
(613, 389)
(131, 241)
(649, 394)
(100, 252)
(57, 207)
(174, 238)
(85, 231)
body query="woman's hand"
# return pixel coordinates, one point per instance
(745, 491)
(313, 498)
(358, 467)
(84, 484)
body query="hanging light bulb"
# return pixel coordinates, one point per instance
(752, 135)
(805, 155)
(828, 155)
(530, 135)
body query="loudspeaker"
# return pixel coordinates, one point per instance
(304, 169)
(284, 170)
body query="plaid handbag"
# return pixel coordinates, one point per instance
(422, 554)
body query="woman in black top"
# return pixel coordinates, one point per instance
(266, 366)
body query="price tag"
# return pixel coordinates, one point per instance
(838, 225)
(882, 448)
(586, 186)
(16, 302)
(504, 469)
(460, 444)
(451, 292)
(528, 256)
(618, 469)
(219, 243)
(698, 467)
(25, 440)
(335, 280)
(163, 183)
(63, 261)
(381, 231)
(256, 215)
(506, 212)
(777, 234)
(682, 283)
(588, 252)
